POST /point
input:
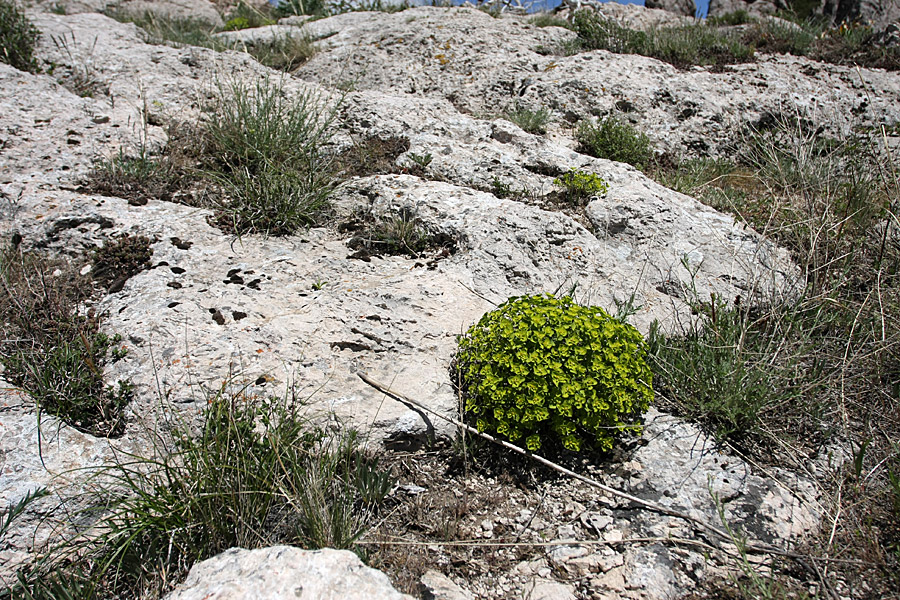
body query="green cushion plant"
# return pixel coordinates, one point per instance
(544, 369)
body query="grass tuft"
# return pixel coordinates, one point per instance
(784, 377)
(532, 121)
(613, 139)
(180, 31)
(254, 474)
(285, 53)
(682, 46)
(265, 151)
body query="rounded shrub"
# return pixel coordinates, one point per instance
(544, 369)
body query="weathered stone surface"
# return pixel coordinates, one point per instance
(285, 573)
(679, 7)
(485, 66)
(438, 586)
(717, 8)
(541, 589)
(301, 311)
(46, 454)
(259, 35)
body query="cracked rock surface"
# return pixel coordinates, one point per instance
(302, 310)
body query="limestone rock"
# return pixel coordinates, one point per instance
(299, 309)
(285, 573)
(541, 589)
(486, 66)
(438, 586)
(679, 7)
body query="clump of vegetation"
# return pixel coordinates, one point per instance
(52, 350)
(181, 31)
(532, 121)
(613, 139)
(245, 16)
(135, 178)
(548, 20)
(375, 156)
(265, 151)
(285, 53)
(546, 371)
(17, 38)
(716, 370)
(681, 46)
(400, 232)
(256, 474)
(121, 259)
(581, 186)
(792, 372)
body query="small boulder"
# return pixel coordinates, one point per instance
(285, 572)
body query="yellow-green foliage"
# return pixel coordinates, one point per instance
(237, 24)
(540, 368)
(580, 186)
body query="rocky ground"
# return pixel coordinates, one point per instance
(312, 311)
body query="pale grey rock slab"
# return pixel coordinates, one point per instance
(285, 573)
(438, 586)
(486, 66)
(42, 452)
(634, 16)
(259, 35)
(544, 589)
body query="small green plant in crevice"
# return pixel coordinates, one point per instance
(14, 510)
(532, 121)
(581, 186)
(613, 139)
(504, 190)
(54, 351)
(544, 371)
(265, 151)
(398, 232)
(420, 160)
(18, 37)
(120, 259)
(255, 473)
(80, 78)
